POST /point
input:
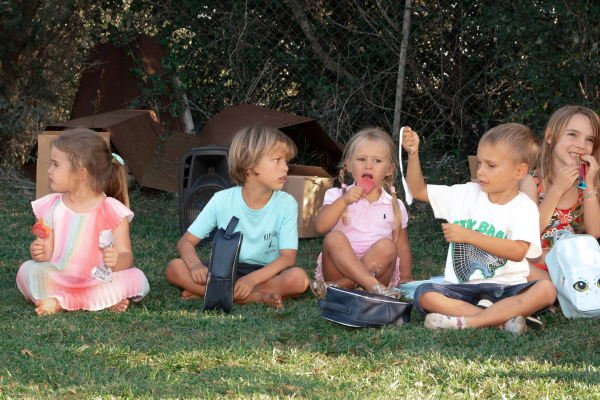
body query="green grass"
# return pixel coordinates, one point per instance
(164, 347)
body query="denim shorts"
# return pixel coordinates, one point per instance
(246, 269)
(472, 293)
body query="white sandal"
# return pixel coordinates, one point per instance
(319, 288)
(378, 288)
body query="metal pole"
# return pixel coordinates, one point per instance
(401, 67)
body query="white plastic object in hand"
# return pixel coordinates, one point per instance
(407, 192)
(102, 272)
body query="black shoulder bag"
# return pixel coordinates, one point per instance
(222, 269)
(362, 309)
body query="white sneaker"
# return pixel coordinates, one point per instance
(515, 325)
(440, 321)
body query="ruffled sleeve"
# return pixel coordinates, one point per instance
(44, 207)
(112, 212)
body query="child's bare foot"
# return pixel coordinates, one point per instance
(273, 300)
(120, 306)
(47, 306)
(186, 295)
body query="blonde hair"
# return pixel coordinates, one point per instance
(518, 140)
(84, 148)
(251, 144)
(556, 126)
(381, 137)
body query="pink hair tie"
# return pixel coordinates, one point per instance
(392, 189)
(344, 186)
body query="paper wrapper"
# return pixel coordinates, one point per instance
(102, 272)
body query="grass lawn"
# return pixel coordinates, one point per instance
(164, 347)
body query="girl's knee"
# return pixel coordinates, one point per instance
(386, 248)
(333, 238)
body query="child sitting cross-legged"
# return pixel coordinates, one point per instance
(492, 228)
(268, 219)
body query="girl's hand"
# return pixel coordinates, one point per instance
(591, 171)
(410, 141)
(565, 178)
(353, 195)
(243, 287)
(199, 273)
(110, 255)
(38, 250)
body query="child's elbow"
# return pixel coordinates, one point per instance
(320, 227)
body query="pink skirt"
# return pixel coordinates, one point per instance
(360, 252)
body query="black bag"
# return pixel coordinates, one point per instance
(362, 309)
(222, 269)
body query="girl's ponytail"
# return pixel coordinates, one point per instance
(345, 218)
(396, 207)
(117, 183)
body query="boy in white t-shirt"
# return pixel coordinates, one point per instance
(268, 219)
(491, 228)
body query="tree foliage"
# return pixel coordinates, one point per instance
(471, 65)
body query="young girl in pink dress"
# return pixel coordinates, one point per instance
(91, 188)
(366, 245)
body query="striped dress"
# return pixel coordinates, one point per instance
(76, 252)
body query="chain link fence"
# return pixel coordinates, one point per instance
(449, 69)
(337, 62)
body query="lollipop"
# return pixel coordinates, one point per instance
(41, 230)
(581, 173)
(367, 184)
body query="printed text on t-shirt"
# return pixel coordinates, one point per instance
(484, 227)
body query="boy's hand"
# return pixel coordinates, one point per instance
(38, 250)
(455, 233)
(199, 273)
(110, 256)
(243, 287)
(353, 195)
(591, 172)
(410, 141)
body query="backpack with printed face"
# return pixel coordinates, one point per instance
(574, 267)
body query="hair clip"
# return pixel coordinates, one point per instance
(118, 158)
(392, 189)
(344, 186)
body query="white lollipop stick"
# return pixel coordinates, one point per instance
(407, 192)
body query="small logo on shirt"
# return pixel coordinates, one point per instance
(270, 237)
(383, 216)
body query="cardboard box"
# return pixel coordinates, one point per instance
(42, 184)
(473, 167)
(308, 186)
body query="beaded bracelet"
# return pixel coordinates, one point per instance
(589, 194)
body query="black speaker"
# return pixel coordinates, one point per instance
(204, 172)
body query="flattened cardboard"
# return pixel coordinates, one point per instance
(152, 155)
(308, 186)
(473, 167)
(42, 184)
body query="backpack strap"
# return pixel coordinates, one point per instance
(562, 233)
(232, 224)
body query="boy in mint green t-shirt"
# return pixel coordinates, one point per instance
(268, 219)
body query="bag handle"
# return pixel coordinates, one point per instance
(232, 224)
(562, 233)
(335, 306)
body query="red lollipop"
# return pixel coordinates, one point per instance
(367, 184)
(41, 230)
